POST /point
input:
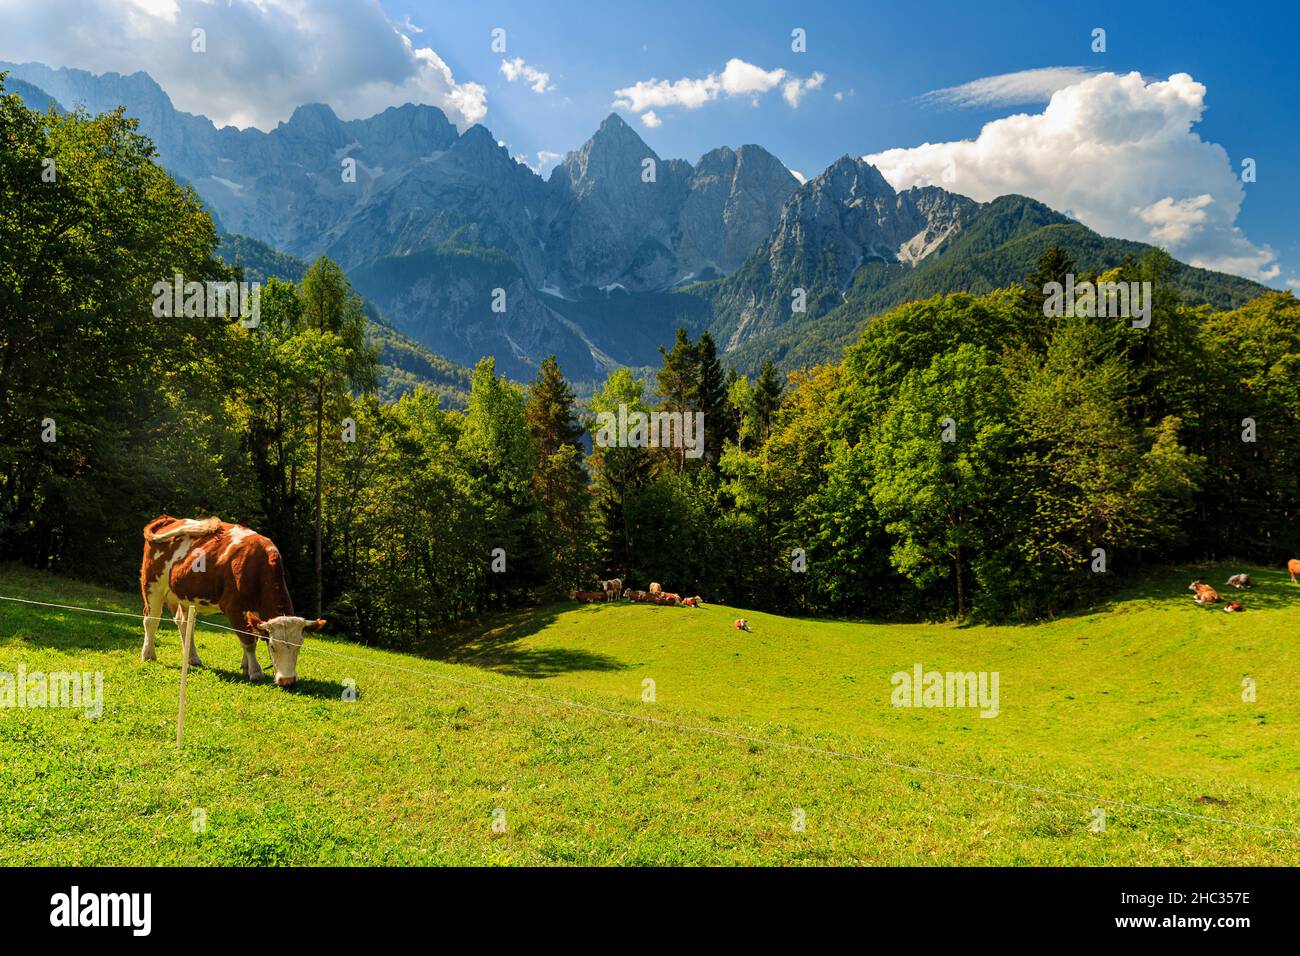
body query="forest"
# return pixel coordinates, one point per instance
(967, 457)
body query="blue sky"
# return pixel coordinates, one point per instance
(1165, 184)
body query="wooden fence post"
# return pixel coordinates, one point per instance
(191, 614)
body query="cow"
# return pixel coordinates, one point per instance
(612, 587)
(655, 587)
(667, 597)
(217, 566)
(1234, 606)
(588, 597)
(693, 601)
(1294, 567)
(1203, 594)
(1240, 581)
(633, 595)
(741, 624)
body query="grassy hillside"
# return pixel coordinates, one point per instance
(540, 714)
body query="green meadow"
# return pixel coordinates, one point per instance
(527, 739)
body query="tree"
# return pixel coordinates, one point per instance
(559, 479)
(331, 353)
(767, 397)
(940, 466)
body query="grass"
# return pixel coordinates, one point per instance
(1138, 702)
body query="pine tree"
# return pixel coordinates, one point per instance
(768, 392)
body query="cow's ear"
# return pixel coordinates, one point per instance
(314, 625)
(254, 622)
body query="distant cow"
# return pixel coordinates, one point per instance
(612, 589)
(588, 597)
(217, 566)
(632, 595)
(1294, 567)
(693, 601)
(655, 588)
(666, 597)
(1233, 606)
(741, 624)
(1240, 581)
(1203, 594)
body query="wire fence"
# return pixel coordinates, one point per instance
(712, 731)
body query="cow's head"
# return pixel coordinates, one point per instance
(284, 636)
(1194, 585)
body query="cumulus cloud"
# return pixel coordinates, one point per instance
(1119, 153)
(737, 78)
(263, 57)
(538, 80)
(795, 89)
(651, 119)
(1010, 89)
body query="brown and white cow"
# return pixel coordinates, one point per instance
(218, 566)
(588, 597)
(1203, 594)
(613, 589)
(655, 587)
(1294, 567)
(633, 595)
(1240, 581)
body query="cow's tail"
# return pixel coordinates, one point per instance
(195, 527)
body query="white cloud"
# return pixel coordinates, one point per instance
(651, 119)
(740, 78)
(263, 59)
(1119, 153)
(1010, 89)
(795, 89)
(538, 80)
(737, 78)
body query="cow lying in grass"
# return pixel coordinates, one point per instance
(1234, 606)
(588, 597)
(693, 601)
(1203, 594)
(1240, 581)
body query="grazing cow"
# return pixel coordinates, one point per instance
(1203, 594)
(588, 597)
(1233, 606)
(1240, 581)
(217, 566)
(1294, 567)
(612, 589)
(656, 589)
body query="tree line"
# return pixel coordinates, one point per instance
(967, 456)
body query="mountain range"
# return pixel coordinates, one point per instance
(469, 252)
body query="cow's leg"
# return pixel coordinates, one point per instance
(154, 605)
(249, 666)
(194, 649)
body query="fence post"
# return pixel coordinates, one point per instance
(191, 613)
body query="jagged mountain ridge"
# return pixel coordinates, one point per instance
(600, 262)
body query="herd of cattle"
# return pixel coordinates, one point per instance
(613, 590)
(213, 565)
(1204, 594)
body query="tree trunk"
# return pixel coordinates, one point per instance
(961, 592)
(320, 421)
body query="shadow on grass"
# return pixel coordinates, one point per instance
(1272, 591)
(493, 644)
